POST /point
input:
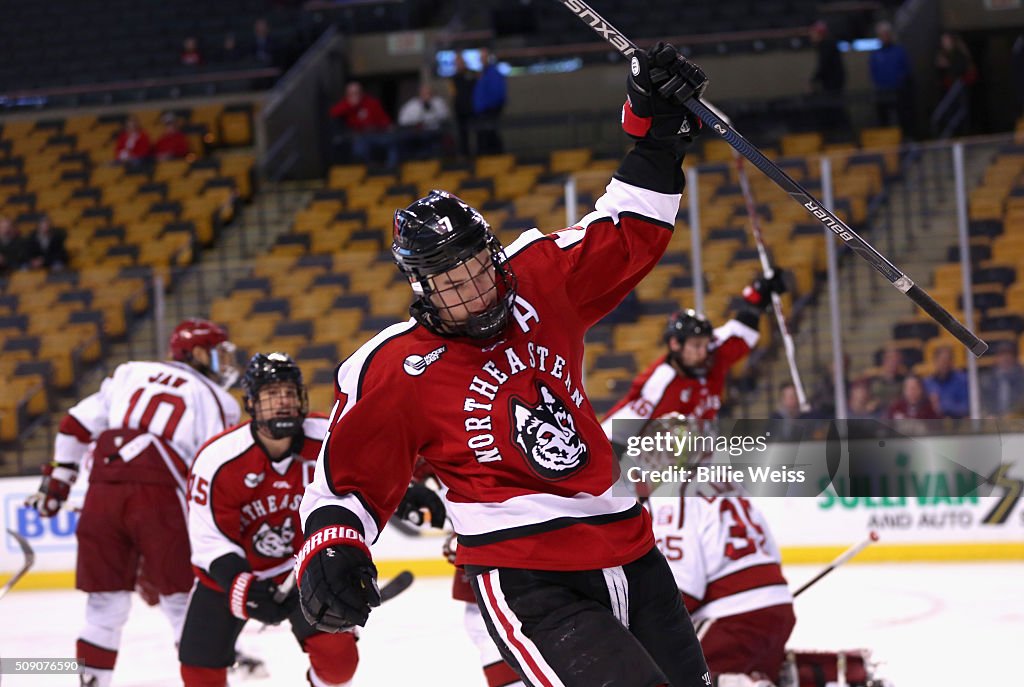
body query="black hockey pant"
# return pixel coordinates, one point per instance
(614, 627)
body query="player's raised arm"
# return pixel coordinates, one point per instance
(615, 246)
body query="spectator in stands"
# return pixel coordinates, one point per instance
(12, 246)
(133, 144)
(788, 405)
(190, 56)
(828, 80)
(893, 80)
(860, 404)
(46, 247)
(953, 61)
(887, 384)
(463, 86)
(229, 50)
(829, 73)
(954, 65)
(367, 124)
(913, 403)
(1002, 383)
(423, 118)
(823, 395)
(946, 387)
(1017, 71)
(172, 142)
(263, 49)
(489, 97)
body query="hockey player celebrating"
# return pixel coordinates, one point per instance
(484, 382)
(148, 420)
(689, 378)
(244, 492)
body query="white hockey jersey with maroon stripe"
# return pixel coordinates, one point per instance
(661, 391)
(722, 554)
(506, 427)
(156, 416)
(241, 502)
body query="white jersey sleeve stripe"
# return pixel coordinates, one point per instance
(620, 198)
(736, 328)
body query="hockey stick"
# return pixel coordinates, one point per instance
(704, 625)
(30, 560)
(840, 560)
(858, 245)
(769, 271)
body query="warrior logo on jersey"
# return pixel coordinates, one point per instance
(274, 542)
(546, 434)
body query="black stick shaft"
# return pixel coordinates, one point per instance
(857, 244)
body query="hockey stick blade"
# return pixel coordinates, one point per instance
(857, 244)
(396, 585)
(30, 560)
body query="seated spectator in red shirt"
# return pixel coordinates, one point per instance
(360, 111)
(913, 403)
(12, 246)
(190, 55)
(172, 143)
(365, 119)
(46, 247)
(132, 143)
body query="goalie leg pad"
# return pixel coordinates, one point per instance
(752, 642)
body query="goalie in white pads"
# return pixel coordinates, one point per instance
(728, 568)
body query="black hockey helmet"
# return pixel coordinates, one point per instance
(437, 234)
(682, 324)
(270, 368)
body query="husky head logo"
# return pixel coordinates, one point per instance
(546, 434)
(274, 542)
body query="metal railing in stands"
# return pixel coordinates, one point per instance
(39, 96)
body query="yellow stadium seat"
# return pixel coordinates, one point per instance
(570, 160)
(494, 165)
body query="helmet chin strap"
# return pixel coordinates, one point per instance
(690, 370)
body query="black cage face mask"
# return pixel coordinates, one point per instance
(280, 409)
(473, 299)
(456, 268)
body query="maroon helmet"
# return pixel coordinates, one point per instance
(195, 332)
(198, 333)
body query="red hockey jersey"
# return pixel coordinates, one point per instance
(661, 391)
(506, 427)
(241, 502)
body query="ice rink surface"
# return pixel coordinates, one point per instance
(931, 625)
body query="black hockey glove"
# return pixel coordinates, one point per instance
(249, 597)
(759, 293)
(58, 478)
(660, 81)
(337, 579)
(418, 497)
